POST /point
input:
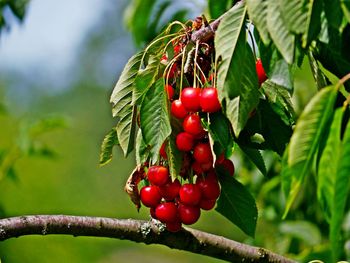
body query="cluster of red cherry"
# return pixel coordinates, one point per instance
(170, 202)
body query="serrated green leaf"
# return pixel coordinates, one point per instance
(341, 192)
(217, 8)
(122, 94)
(141, 149)
(283, 39)
(145, 78)
(126, 128)
(295, 14)
(236, 203)
(255, 156)
(257, 11)
(227, 36)
(328, 166)
(154, 118)
(286, 174)
(306, 136)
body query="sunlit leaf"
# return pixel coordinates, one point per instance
(305, 139)
(257, 10)
(303, 230)
(328, 165)
(280, 34)
(141, 149)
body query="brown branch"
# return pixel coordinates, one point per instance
(139, 231)
(206, 33)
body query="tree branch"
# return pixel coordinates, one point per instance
(139, 231)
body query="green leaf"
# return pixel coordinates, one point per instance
(341, 192)
(145, 79)
(283, 39)
(319, 77)
(141, 149)
(257, 11)
(295, 14)
(122, 94)
(303, 230)
(345, 5)
(236, 203)
(126, 128)
(175, 157)
(286, 174)
(333, 11)
(328, 165)
(220, 130)
(306, 137)
(137, 17)
(154, 118)
(217, 8)
(313, 22)
(18, 7)
(255, 156)
(227, 36)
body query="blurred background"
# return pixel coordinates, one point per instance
(57, 70)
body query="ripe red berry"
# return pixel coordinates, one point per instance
(158, 175)
(260, 71)
(169, 91)
(189, 214)
(209, 101)
(150, 196)
(152, 212)
(184, 141)
(207, 204)
(190, 99)
(178, 110)
(162, 151)
(228, 166)
(170, 190)
(173, 226)
(202, 153)
(166, 212)
(190, 194)
(172, 71)
(192, 124)
(200, 168)
(210, 188)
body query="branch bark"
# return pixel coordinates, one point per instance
(138, 231)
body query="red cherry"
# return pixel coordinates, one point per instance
(228, 166)
(169, 91)
(158, 175)
(260, 71)
(152, 212)
(189, 214)
(173, 226)
(178, 110)
(192, 124)
(184, 141)
(162, 151)
(210, 188)
(170, 190)
(190, 194)
(150, 196)
(207, 204)
(200, 168)
(166, 212)
(202, 153)
(209, 101)
(172, 71)
(190, 99)
(177, 49)
(220, 159)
